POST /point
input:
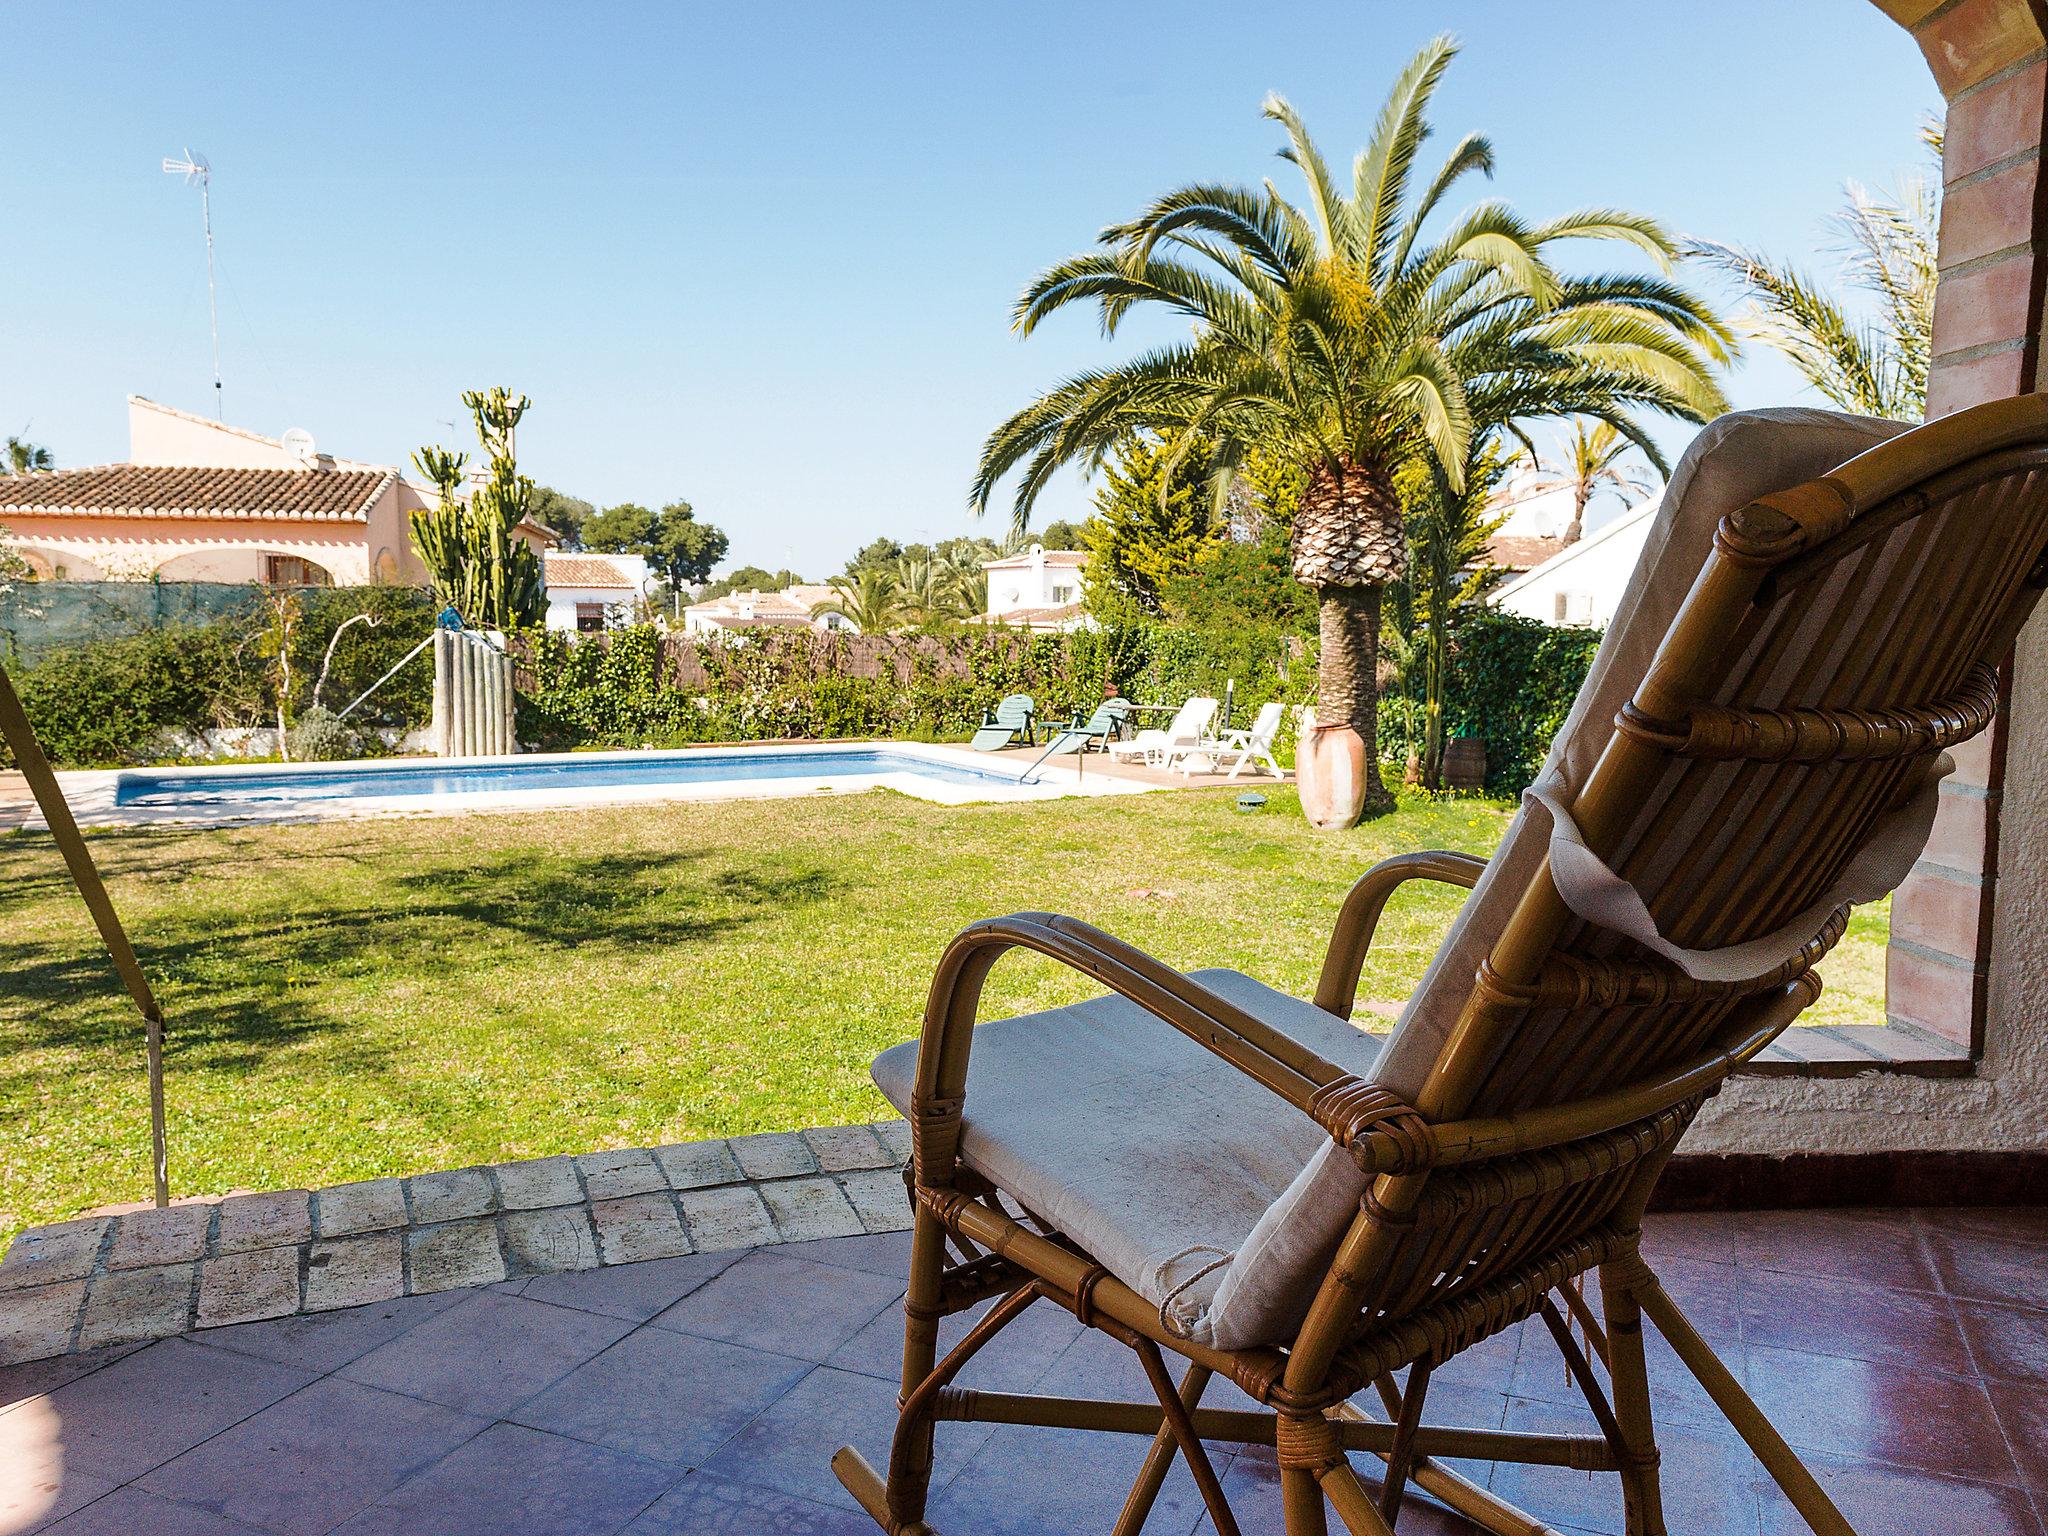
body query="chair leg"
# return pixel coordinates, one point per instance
(1641, 1489)
(1786, 1469)
(901, 1500)
(1159, 1460)
(1301, 1503)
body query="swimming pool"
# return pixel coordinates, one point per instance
(320, 791)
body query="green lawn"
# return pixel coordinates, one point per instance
(384, 997)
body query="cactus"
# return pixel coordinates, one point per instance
(479, 564)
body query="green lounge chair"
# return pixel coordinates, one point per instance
(1100, 728)
(1005, 723)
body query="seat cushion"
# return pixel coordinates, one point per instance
(1153, 1154)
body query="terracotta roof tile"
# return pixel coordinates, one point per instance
(148, 490)
(570, 570)
(1521, 552)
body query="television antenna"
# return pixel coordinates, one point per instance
(194, 168)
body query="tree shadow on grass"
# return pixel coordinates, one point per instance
(237, 986)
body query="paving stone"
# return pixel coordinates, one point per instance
(639, 1227)
(370, 1205)
(487, 1354)
(146, 1239)
(895, 1136)
(537, 1184)
(844, 1148)
(460, 1253)
(547, 1242)
(622, 1171)
(248, 1287)
(698, 1164)
(36, 1323)
(808, 1208)
(733, 1217)
(776, 1155)
(880, 1198)
(137, 1304)
(263, 1221)
(354, 1271)
(64, 1250)
(450, 1196)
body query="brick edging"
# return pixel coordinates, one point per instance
(101, 1280)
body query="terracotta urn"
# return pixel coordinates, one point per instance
(1329, 767)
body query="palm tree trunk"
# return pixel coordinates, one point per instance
(1347, 682)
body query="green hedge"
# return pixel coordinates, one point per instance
(635, 686)
(108, 703)
(1512, 681)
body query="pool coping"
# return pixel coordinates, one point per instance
(93, 793)
(215, 1262)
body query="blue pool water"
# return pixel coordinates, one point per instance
(607, 772)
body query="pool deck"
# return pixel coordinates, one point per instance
(93, 794)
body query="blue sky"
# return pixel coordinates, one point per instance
(762, 257)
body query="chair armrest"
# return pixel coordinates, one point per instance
(1209, 1019)
(1337, 991)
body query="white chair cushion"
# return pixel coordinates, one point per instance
(1152, 1153)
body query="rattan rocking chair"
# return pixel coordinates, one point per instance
(1758, 746)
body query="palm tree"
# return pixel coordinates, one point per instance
(1346, 340)
(26, 458)
(871, 596)
(1591, 465)
(1878, 366)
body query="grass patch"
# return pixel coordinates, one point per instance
(350, 1000)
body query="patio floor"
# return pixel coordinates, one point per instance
(1907, 1352)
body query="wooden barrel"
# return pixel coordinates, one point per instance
(1465, 762)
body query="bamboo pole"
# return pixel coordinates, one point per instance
(42, 782)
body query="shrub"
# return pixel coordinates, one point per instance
(1512, 681)
(319, 735)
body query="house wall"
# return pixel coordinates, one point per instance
(189, 549)
(1032, 585)
(159, 435)
(562, 603)
(1590, 581)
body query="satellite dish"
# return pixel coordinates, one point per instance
(298, 442)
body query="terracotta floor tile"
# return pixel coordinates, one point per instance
(131, 1512)
(321, 1341)
(1026, 1481)
(750, 1304)
(307, 1463)
(1882, 1500)
(1706, 1479)
(789, 1448)
(488, 1354)
(1990, 1269)
(160, 1402)
(2010, 1223)
(1877, 1248)
(703, 1505)
(1853, 1319)
(879, 1253)
(1862, 1410)
(669, 1397)
(1011, 1362)
(2023, 1413)
(2007, 1343)
(635, 1292)
(520, 1480)
(1676, 1398)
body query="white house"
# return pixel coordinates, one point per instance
(587, 591)
(1582, 583)
(1039, 589)
(793, 607)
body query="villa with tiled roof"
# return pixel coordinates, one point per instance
(199, 500)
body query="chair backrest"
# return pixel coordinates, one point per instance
(1016, 711)
(1109, 714)
(1757, 745)
(1192, 719)
(1266, 725)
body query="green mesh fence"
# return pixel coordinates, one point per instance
(41, 616)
